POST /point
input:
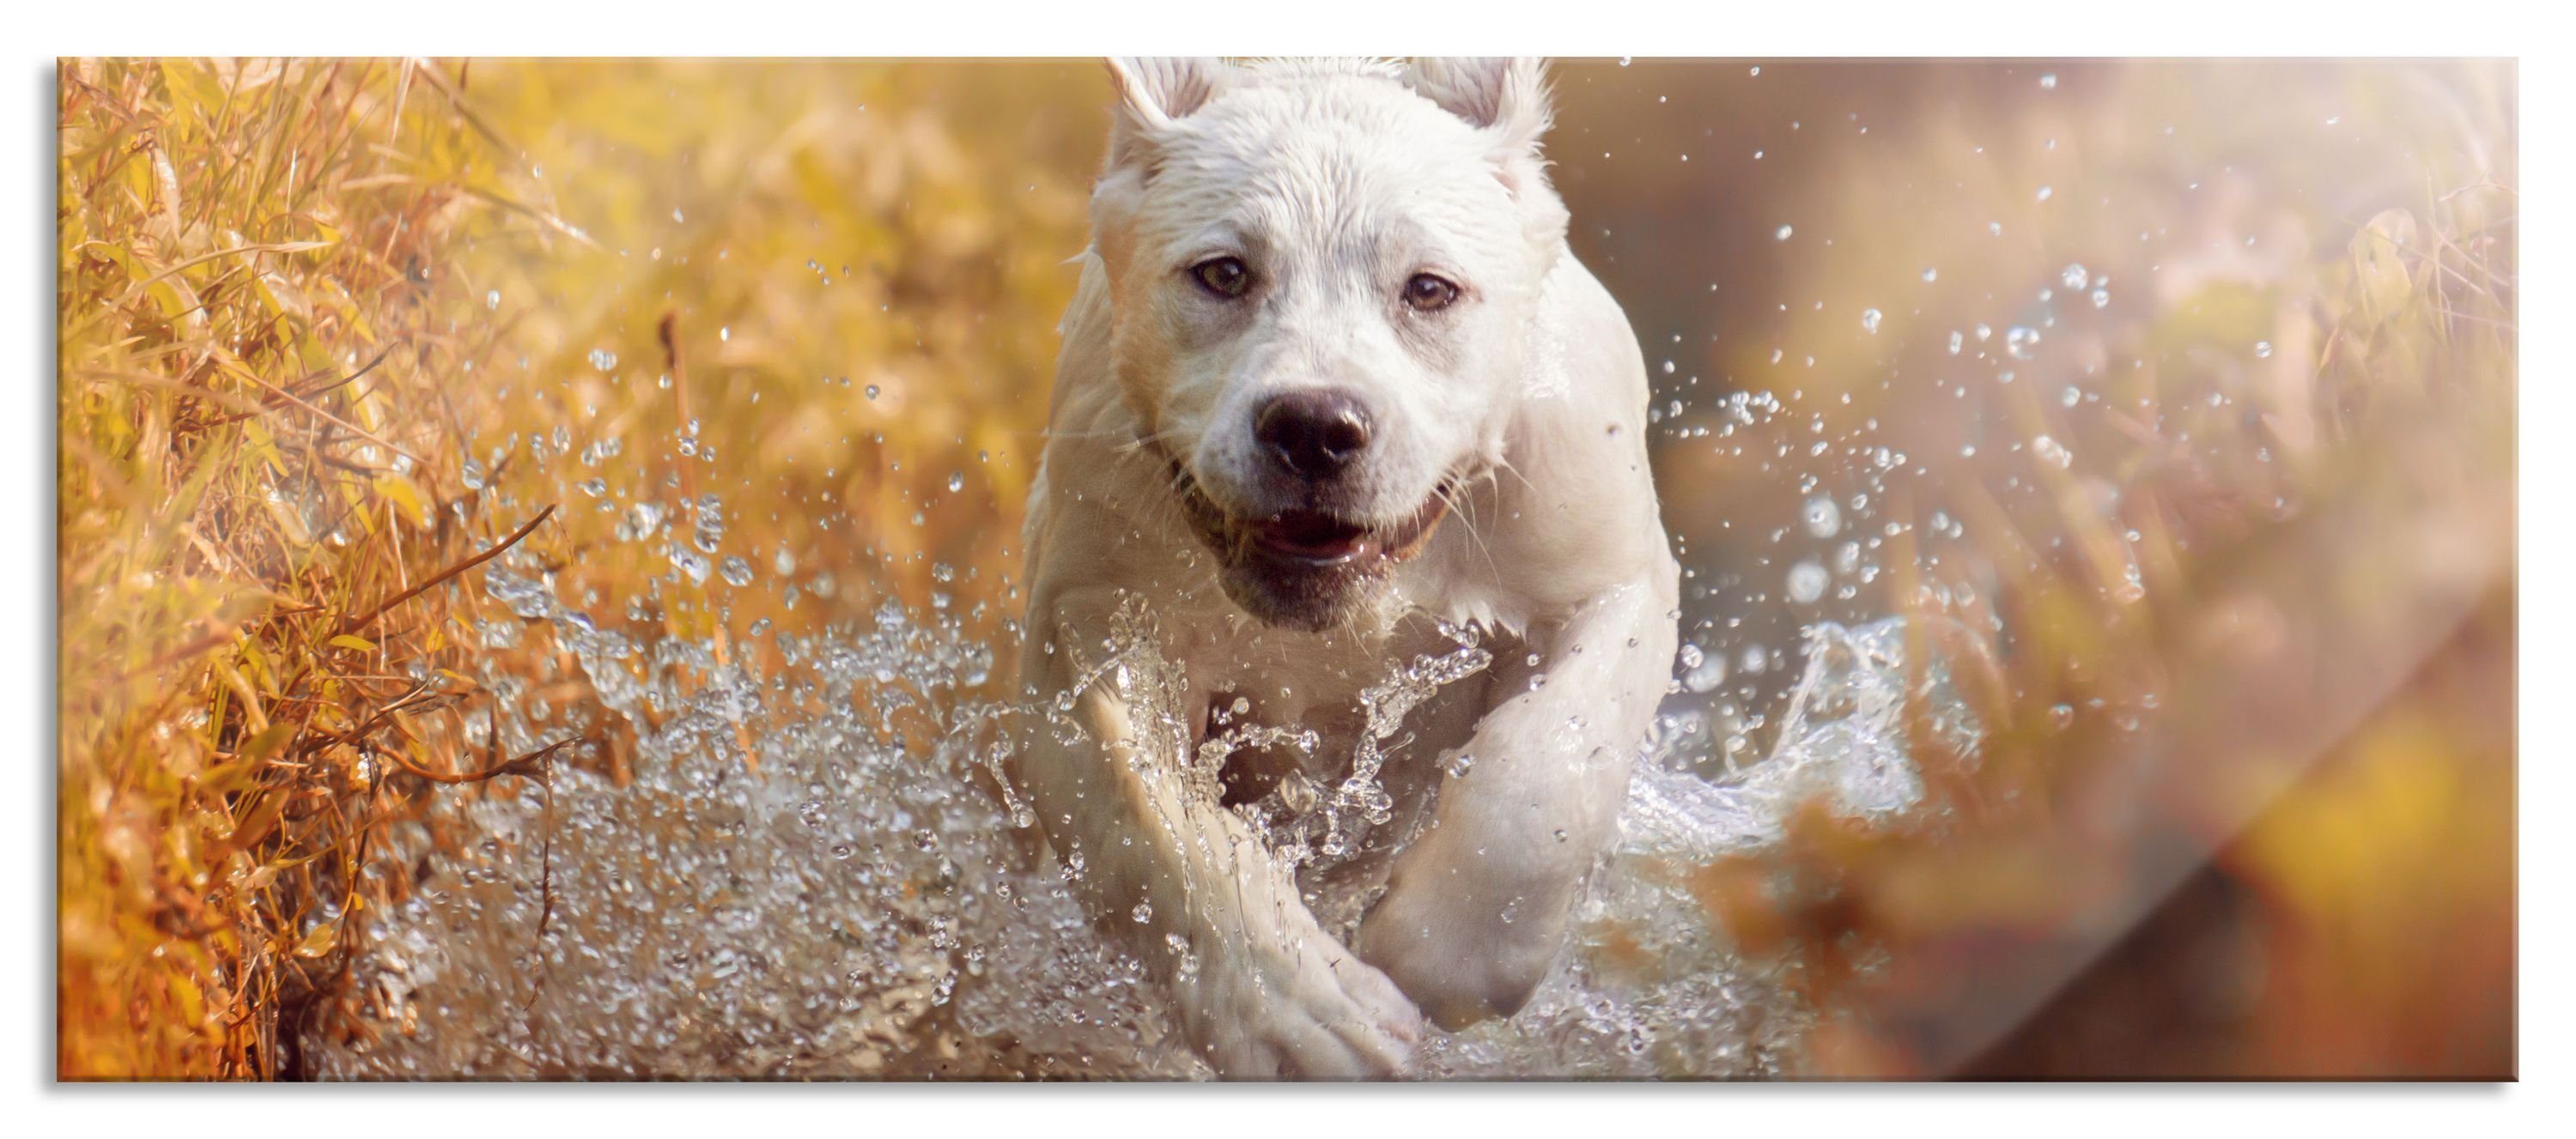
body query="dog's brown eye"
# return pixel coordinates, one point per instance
(1426, 293)
(1225, 276)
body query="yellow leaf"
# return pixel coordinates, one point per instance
(175, 299)
(320, 941)
(281, 297)
(192, 1000)
(361, 644)
(194, 93)
(258, 748)
(403, 492)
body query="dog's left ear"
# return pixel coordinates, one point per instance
(1153, 93)
(1507, 99)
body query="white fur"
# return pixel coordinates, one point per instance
(1339, 180)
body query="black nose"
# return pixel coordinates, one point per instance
(1315, 434)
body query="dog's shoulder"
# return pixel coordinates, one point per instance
(1579, 498)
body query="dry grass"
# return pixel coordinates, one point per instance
(252, 459)
(319, 323)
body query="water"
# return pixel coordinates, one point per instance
(867, 906)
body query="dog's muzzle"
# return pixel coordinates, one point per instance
(1303, 568)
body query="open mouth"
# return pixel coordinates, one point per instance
(1319, 538)
(1303, 568)
(1308, 538)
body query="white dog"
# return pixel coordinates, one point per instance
(1328, 305)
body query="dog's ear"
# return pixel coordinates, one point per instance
(1508, 100)
(1505, 96)
(1152, 93)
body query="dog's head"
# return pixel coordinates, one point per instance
(1322, 278)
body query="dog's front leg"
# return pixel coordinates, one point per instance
(1262, 990)
(1477, 908)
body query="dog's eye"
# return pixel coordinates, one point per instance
(1427, 293)
(1224, 276)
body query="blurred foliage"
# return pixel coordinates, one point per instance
(2186, 389)
(330, 330)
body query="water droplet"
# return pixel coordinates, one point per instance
(691, 563)
(603, 359)
(2132, 587)
(736, 571)
(492, 300)
(2045, 193)
(872, 391)
(1782, 233)
(2052, 452)
(1807, 581)
(2262, 349)
(1144, 912)
(956, 481)
(1822, 517)
(1869, 318)
(1931, 275)
(2048, 81)
(1702, 671)
(2019, 340)
(2075, 276)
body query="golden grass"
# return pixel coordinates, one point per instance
(248, 315)
(296, 298)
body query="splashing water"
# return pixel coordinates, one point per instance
(867, 904)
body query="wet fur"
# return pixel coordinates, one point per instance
(1529, 409)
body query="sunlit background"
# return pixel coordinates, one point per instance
(2170, 402)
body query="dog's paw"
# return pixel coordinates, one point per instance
(1317, 1014)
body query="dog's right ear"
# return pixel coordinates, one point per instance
(1153, 93)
